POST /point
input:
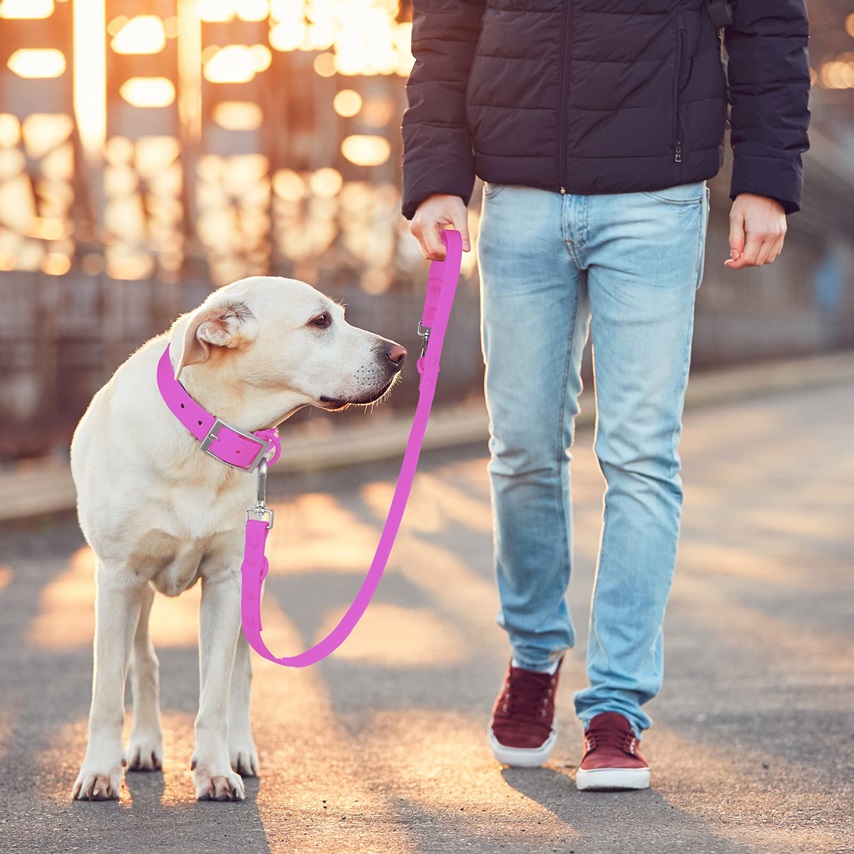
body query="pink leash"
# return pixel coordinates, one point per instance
(441, 287)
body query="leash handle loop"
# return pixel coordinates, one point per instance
(438, 301)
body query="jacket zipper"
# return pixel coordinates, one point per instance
(677, 72)
(563, 71)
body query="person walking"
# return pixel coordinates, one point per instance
(594, 125)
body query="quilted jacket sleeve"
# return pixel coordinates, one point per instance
(769, 81)
(437, 156)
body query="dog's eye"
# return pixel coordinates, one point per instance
(322, 321)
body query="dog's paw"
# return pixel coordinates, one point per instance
(227, 786)
(145, 751)
(92, 785)
(243, 757)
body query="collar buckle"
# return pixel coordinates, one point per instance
(213, 435)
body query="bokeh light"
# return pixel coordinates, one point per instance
(26, 9)
(838, 73)
(148, 91)
(366, 150)
(234, 63)
(325, 65)
(347, 103)
(144, 34)
(238, 115)
(326, 183)
(37, 63)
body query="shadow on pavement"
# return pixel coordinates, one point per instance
(617, 821)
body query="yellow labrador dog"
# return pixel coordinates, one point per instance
(160, 514)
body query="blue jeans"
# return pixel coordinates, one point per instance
(626, 267)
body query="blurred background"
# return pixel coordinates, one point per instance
(151, 150)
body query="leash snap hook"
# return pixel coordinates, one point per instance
(261, 512)
(261, 494)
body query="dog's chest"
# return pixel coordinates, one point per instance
(171, 564)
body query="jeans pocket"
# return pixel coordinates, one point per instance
(491, 189)
(681, 194)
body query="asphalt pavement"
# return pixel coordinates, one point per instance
(382, 747)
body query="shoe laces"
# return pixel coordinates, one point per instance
(527, 693)
(611, 735)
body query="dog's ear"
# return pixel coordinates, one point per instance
(227, 324)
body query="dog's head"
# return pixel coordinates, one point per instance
(279, 344)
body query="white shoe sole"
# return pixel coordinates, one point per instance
(612, 778)
(522, 757)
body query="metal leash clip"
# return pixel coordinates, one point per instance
(261, 512)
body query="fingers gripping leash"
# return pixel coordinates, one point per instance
(439, 298)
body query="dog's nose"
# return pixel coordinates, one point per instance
(396, 354)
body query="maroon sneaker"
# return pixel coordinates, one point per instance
(522, 731)
(611, 756)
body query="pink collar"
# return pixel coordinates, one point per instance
(227, 444)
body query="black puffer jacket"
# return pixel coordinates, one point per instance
(604, 96)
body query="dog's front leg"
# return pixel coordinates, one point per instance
(117, 604)
(241, 745)
(145, 750)
(218, 630)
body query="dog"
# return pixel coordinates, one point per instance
(160, 514)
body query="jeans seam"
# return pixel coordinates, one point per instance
(594, 631)
(683, 382)
(563, 497)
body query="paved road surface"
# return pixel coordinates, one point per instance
(382, 748)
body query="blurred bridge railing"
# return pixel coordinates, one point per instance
(61, 337)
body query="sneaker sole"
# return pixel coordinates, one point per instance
(522, 757)
(612, 778)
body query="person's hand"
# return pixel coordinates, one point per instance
(435, 213)
(757, 229)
